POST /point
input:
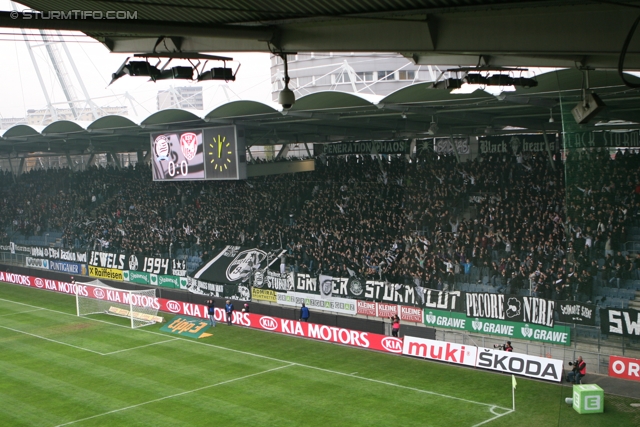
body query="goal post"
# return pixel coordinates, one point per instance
(139, 306)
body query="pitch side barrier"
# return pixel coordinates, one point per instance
(453, 353)
(376, 326)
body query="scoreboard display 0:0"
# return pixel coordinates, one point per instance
(177, 156)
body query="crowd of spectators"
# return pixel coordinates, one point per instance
(502, 219)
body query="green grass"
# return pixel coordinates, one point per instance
(56, 368)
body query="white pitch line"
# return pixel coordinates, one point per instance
(279, 360)
(20, 312)
(175, 395)
(52, 340)
(140, 346)
(494, 418)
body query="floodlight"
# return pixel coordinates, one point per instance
(218, 73)
(185, 73)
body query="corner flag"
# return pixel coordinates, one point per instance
(513, 390)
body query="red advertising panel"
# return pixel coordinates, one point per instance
(624, 367)
(322, 332)
(387, 310)
(366, 308)
(411, 314)
(290, 327)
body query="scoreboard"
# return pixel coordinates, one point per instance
(202, 154)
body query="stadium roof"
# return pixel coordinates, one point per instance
(335, 116)
(556, 33)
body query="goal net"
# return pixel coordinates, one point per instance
(139, 306)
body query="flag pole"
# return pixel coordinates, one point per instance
(513, 390)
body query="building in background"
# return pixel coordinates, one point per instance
(189, 97)
(42, 117)
(7, 122)
(364, 73)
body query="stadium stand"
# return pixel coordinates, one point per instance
(497, 224)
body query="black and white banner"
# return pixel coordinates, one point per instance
(363, 147)
(576, 312)
(617, 321)
(516, 144)
(271, 280)
(510, 307)
(444, 145)
(147, 264)
(371, 290)
(14, 249)
(233, 292)
(236, 264)
(58, 254)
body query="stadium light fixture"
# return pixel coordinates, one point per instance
(160, 71)
(473, 76)
(219, 73)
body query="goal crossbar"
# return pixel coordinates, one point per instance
(139, 306)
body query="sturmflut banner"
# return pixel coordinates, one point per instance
(371, 290)
(271, 280)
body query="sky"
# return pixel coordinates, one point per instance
(21, 90)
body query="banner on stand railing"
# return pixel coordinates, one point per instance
(236, 264)
(576, 312)
(271, 280)
(512, 308)
(618, 321)
(335, 305)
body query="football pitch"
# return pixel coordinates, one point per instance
(57, 369)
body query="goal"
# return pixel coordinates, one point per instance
(141, 306)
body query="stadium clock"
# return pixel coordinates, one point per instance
(224, 155)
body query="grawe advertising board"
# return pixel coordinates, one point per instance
(624, 367)
(559, 334)
(520, 364)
